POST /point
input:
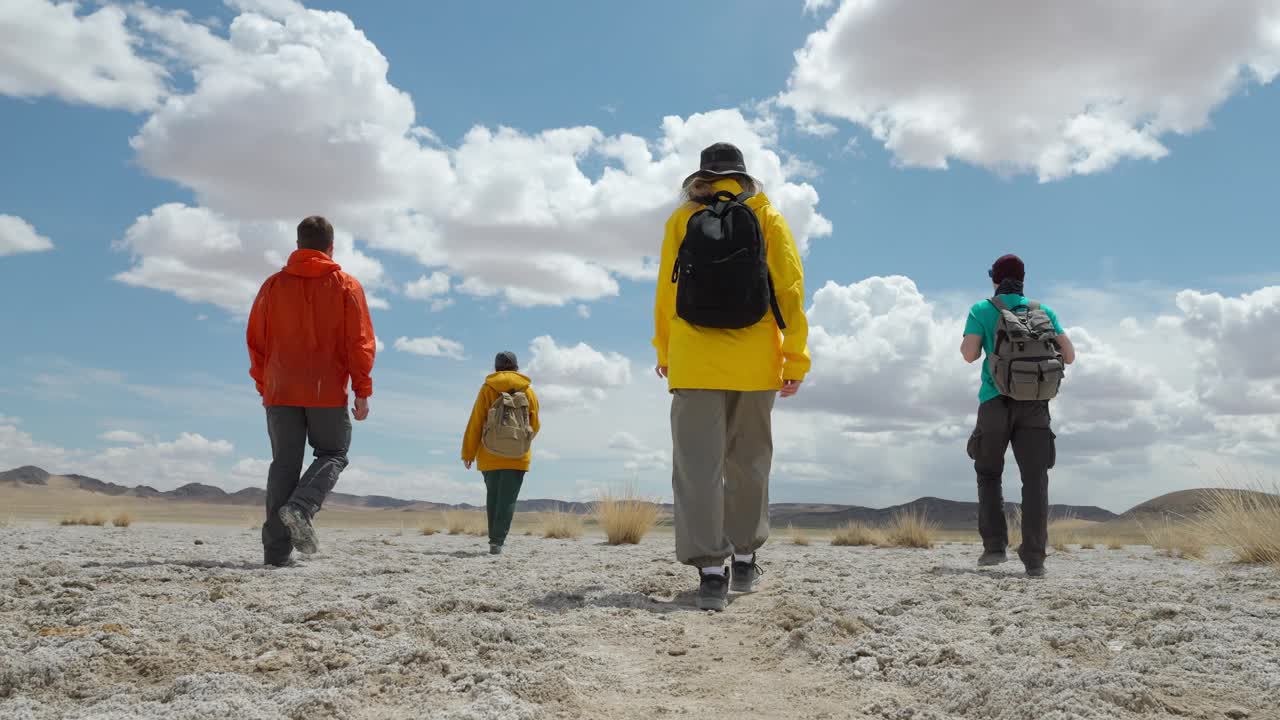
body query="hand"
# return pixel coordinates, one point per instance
(362, 408)
(661, 370)
(466, 464)
(790, 388)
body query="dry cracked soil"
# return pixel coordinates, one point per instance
(145, 622)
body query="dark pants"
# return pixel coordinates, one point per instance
(503, 488)
(290, 428)
(1025, 425)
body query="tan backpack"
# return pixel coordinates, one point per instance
(507, 432)
(1026, 363)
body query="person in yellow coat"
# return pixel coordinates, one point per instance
(731, 335)
(503, 474)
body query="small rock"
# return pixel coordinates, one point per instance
(865, 667)
(1237, 713)
(199, 542)
(677, 652)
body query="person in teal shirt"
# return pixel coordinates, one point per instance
(983, 317)
(1002, 422)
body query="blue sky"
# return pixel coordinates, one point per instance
(1111, 245)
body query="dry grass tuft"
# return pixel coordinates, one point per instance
(797, 536)
(1014, 521)
(95, 520)
(122, 520)
(911, 530)
(560, 525)
(855, 534)
(427, 529)
(1115, 543)
(1246, 522)
(625, 516)
(1175, 540)
(466, 522)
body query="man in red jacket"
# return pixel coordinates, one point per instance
(309, 332)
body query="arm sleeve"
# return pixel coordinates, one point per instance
(534, 420)
(1053, 316)
(664, 306)
(361, 345)
(256, 337)
(475, 427)
(973, 326)
(788, 285)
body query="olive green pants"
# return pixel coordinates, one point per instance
(503, 489)
(722, 450)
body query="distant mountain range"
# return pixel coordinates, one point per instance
(948, 513)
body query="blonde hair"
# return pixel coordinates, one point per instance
(702, 186)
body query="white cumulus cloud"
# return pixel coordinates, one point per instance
(203, 256)
(290, 113)
(57, 49)
(430, 347)
(18, 236)
(573, 375)
(126, 437)
(1052, 88)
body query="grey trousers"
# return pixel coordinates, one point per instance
(722, 450)
(290, 428)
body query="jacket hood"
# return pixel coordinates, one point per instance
(508, 381)
(735, 187)
(310, 263)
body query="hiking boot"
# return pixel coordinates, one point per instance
(287, 563)
(993, 557)
(713, 592)
(495, 549)
(301, 534)
(745, 575)
(1035, 571)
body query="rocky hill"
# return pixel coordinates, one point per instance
(947, 513)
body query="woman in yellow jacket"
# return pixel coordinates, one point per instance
(503, 476)
(724, 381)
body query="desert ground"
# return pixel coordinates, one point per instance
(178, 621)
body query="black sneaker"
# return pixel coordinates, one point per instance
(713, 592)
(993, 557)
(495, 549)
(745, 575)
(1035, 571)
(301, 534)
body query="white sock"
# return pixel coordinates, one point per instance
(744, 558)
(716, 570)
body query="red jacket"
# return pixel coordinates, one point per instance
(309, 331)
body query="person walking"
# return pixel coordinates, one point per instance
(731, 335)
(499, 439)
(309, 334)
(1026, 353)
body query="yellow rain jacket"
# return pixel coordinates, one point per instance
(494, 385)
(759, 357)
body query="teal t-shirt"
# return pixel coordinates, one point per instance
(982, 321)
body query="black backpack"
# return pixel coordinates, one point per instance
(722, 270)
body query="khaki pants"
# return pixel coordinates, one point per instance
(722, 448)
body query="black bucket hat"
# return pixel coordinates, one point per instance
(718, 160)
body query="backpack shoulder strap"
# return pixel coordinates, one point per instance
(1000, 304)
(1033, 305)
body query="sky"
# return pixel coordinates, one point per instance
(499, 175)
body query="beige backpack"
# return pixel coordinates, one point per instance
(507, 432)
